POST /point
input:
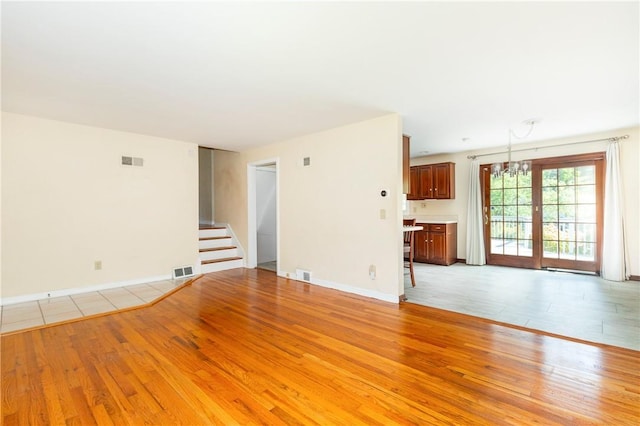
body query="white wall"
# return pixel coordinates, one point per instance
(630, 158)
(266, 214)
(330, 211)
(67, 202)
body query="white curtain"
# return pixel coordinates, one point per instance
(475, 240)
(615, 261)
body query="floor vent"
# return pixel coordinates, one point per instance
(183, 272)
(303, 275)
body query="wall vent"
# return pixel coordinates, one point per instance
(132, 161)
(303, 275)
(182, 272)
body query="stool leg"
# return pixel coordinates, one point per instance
(413, 279)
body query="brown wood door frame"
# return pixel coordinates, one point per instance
(597, 160)
(537, 261)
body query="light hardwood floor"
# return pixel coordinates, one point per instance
(245, 347)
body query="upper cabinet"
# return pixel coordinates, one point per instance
(432, 182)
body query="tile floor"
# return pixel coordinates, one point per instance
(579, 306)
(58, 309)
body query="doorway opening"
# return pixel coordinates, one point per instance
(263, 215)
(205, 186)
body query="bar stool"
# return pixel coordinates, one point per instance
(408, 248)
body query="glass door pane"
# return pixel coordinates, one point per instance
(510, 214)
(569, 213)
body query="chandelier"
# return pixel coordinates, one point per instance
(513, 168)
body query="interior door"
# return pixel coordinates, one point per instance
(551, 217)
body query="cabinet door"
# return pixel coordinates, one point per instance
(420, 246)
(438, 248)
(414, 184)
(426, 182)
(444, 180)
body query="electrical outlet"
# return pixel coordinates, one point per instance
(372, 272)
(97, 265)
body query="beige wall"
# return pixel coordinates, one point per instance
(630, 158)
(205, 185)
(67, 201)
(1, 209)
(329, 212)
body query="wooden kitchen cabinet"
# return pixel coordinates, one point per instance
(414, 184)
(432, 182)
(437, 243)
(443, 178)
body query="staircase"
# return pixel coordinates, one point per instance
(218, 250)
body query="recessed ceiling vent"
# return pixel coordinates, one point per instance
(182, 272)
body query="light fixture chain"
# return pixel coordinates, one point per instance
(514, 168)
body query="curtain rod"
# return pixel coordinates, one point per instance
(612, 139)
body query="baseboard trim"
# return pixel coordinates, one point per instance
(634, 278)
(79, 290)
(344, 287)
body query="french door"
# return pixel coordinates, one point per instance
(549, 218)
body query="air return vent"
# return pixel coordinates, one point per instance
(303, 275)
(182, 272)
(132, 161)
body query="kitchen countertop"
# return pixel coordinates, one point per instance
(432, 219)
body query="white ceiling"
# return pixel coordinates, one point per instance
(235, 75)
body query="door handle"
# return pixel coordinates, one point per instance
(486, 219)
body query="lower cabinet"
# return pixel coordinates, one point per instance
(437, 243)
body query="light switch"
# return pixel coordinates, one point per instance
(383, 214)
